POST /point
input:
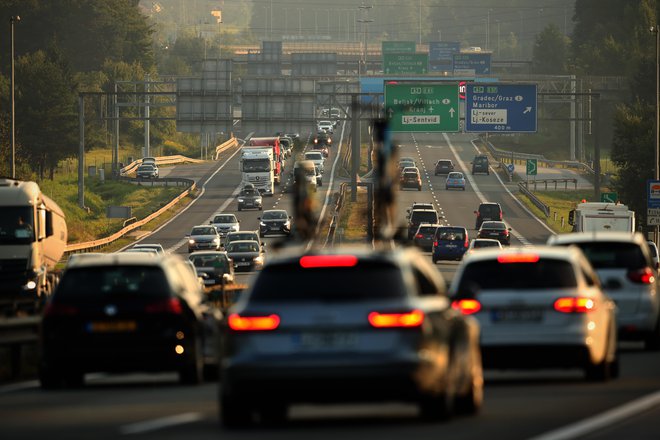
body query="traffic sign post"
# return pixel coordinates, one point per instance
(422, 107)
(405, 63)
(609, 197)
(501, 108)
(532, 167)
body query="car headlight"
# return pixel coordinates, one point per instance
(216, 240)
(240, 200)
(234, 228)
(262, 224)
(191, 241)
(258, 200)
(259, 260)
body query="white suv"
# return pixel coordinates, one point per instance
(317, 158)
(625, 267)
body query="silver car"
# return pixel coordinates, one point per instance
(624, 265)
(225, 223)
(203, 238)
(348, 325)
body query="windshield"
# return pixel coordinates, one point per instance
(489, 210)
(313, 156)
(450, 234)
(256, 165)
(241, 236)
(203, 231)
(455, 176)
(274, 215)
(215, 261)
(544, 274)
(96, 283)
(16, 225)
(243, 247)
(424, 217)
(224, 219)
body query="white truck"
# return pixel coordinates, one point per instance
(33, 236)
(257, 167)
(601, 216)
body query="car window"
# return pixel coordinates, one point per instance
(214, 261)
(484, 243)
(654, 250)
(490, 210)
(498, 226)
(243, 247)
(368, 281)
(606, 255)
(277, 215)
(450, 234)
(203, 231)
(544, 274)
(427, 229)
(242, 236)
(92, 283)
(224, 219)
(455, 176)
(424, 217)
(425, 286)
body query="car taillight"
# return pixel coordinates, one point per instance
(414, 318)
(466, 244)
(642, 276)
(518, 258)
(435, 243)
(500, 215)
(253, 323)
(171, 305)
(574, 305)
(466, 306)
(316, 261)
(60, 310)
(419, 236)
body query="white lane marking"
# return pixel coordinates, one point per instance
(522, 205)
(603, 420)
(156, 424)
(180, 243)
(479, 194)
(20, 386)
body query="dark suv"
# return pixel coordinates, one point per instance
(419, 216)
(444, 166)
(480, 164)
(488, 211)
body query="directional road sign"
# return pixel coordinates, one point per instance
(398, 47)
(441, 55)
(500, 107)
(405, 63)
(477, 63)
(511, 167)
(532, 167)
(609, 197)
(415, 107)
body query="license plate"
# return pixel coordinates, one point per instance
(517, 315)
(243, 263)
(327, 340)
(209, 282)
(450, 246)
(112, 326)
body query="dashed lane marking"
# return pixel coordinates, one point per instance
(157, 424)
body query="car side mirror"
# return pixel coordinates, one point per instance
(210, 222)
(509, 229)
(476, 212)
(203, 275)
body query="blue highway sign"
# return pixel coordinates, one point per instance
(472, 63)
(500, 108)
(441, 55)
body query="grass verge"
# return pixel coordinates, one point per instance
(353, 220)
(560, 204)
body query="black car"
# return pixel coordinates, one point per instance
(322, 139)
(274, 221)
(217, 266)
(419, 216)
(246, 254)
(444, 166)
(348, 325)
(127, 312)
(480, 164)
(488, 211)
(249, 197)
(495, 230)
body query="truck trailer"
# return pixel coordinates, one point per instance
(601, 216)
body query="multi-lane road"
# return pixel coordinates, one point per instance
(517, 405)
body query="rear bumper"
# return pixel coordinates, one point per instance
(448, 254)
(535, 356)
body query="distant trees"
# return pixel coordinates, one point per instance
(551, 51)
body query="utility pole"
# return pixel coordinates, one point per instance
(12, 22)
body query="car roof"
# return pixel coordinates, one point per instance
(148, 245)
(423, 210)
(122, 259)
(542, 251)
(201, 226)
(244, 241)
(586, 237)
(275, 210)
(493, 222)
(207, 253)
(489, 204)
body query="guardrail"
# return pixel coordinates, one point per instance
(330, 239)
(95, 244)
(233, 142)
(16, 333)
(159, 181)
(555, 181)
(130, 169)
(514, 157)
(535, 200)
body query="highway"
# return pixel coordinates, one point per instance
(518, 405)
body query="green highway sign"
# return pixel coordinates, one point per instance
(532, 166)
(399, 47)
(422, 107)
(609, 197)
(405, 63)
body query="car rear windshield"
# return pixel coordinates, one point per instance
(450, 234)
(424, 217)
(94, 283)
(490, 210)
(365, 281)
(480, 159)
(610, 255)
(444, 163)
(499, 226)
(455, 176)
(485, 243)
(427, 229)
(544, 274)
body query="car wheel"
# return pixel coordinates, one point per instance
(600, 372)
(273, 413)
(239, 208)
(193, 372)
(470, 402)
(234, 413)
(652, 340)
(50, 378)
(435, 408)
(463, 188)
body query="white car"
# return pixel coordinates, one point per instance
(539, 307)
(484, 243)
(317, 158)
(625, 267)
(326, 126)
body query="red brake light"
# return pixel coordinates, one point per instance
(575, 305)
(518, 258)
(435, 243)
(316, 261)
(500, 215)
(466, 244)
(60, 310)
(642, 276)
(171, 305)
(253, 323)
(396, 320)
(419, 236)
(466, 306)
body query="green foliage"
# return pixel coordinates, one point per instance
(633, 152)
(550, 52)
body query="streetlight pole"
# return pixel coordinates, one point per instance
(12, 21)
(656, 164)
(364, 9)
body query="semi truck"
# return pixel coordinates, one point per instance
(33, 237)
(258, 168)
(601, 216)
(274, 143)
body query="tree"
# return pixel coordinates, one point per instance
(633, 152)
(46, 109)
(550, 51)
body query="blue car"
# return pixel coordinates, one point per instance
(455, 180)
(450, 243)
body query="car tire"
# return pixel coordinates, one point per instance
(463, 188)
(50, 378)
(193, 372)
(435, 408)
(239, 208)
(652, 340)
(234, 413)
(273, 413)
(602, 371)
(471, 401)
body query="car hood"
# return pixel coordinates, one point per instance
(235, 255)
(203, 237)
